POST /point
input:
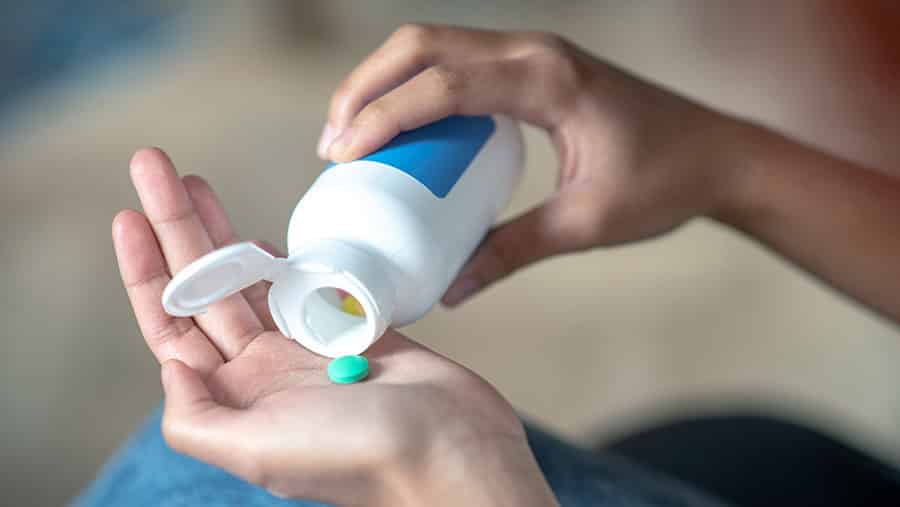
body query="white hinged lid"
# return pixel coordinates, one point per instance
(303, 299)
(218, 275)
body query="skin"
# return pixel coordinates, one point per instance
(629, 167)
(242, 396)
(636, 161)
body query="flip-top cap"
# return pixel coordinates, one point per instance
(306, 294)
(216, 276)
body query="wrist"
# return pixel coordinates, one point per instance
(477, 470)
(741, 148)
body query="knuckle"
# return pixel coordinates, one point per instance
(449, 83)
(556, 70)
(376, 113)
(344, 99)
(342, 94)
(544, 41)
(417, 35)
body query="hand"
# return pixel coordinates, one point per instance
(421, 430)
(635, 161)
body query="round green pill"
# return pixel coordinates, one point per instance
(348, 369)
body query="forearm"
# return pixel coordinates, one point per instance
(837, 220)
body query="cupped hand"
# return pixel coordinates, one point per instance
(242, 396)
(635, 161)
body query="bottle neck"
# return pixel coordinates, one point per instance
(310, 299)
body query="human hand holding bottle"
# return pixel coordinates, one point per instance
(635, 161)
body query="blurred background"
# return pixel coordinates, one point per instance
(593, 345)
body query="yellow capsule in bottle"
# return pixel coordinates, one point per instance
(350, 305)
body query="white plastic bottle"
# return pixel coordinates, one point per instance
(391, 229)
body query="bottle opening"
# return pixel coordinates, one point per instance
(332, 315)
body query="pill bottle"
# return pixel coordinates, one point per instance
(391, 230)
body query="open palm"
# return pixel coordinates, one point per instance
(242, 396)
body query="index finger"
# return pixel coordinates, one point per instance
(409, 50)
(533, 77)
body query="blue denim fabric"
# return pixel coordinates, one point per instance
(146, 472)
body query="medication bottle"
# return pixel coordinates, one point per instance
(390, 230)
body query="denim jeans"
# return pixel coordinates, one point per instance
(146, 472)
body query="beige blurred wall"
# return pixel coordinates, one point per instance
(588, 344)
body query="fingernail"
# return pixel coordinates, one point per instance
(328, 135)
(460, 291)
(340, 144)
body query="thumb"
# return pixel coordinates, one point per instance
(194, 423)
(186, 393)
(523, 240)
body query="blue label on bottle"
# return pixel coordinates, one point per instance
(437, 154)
